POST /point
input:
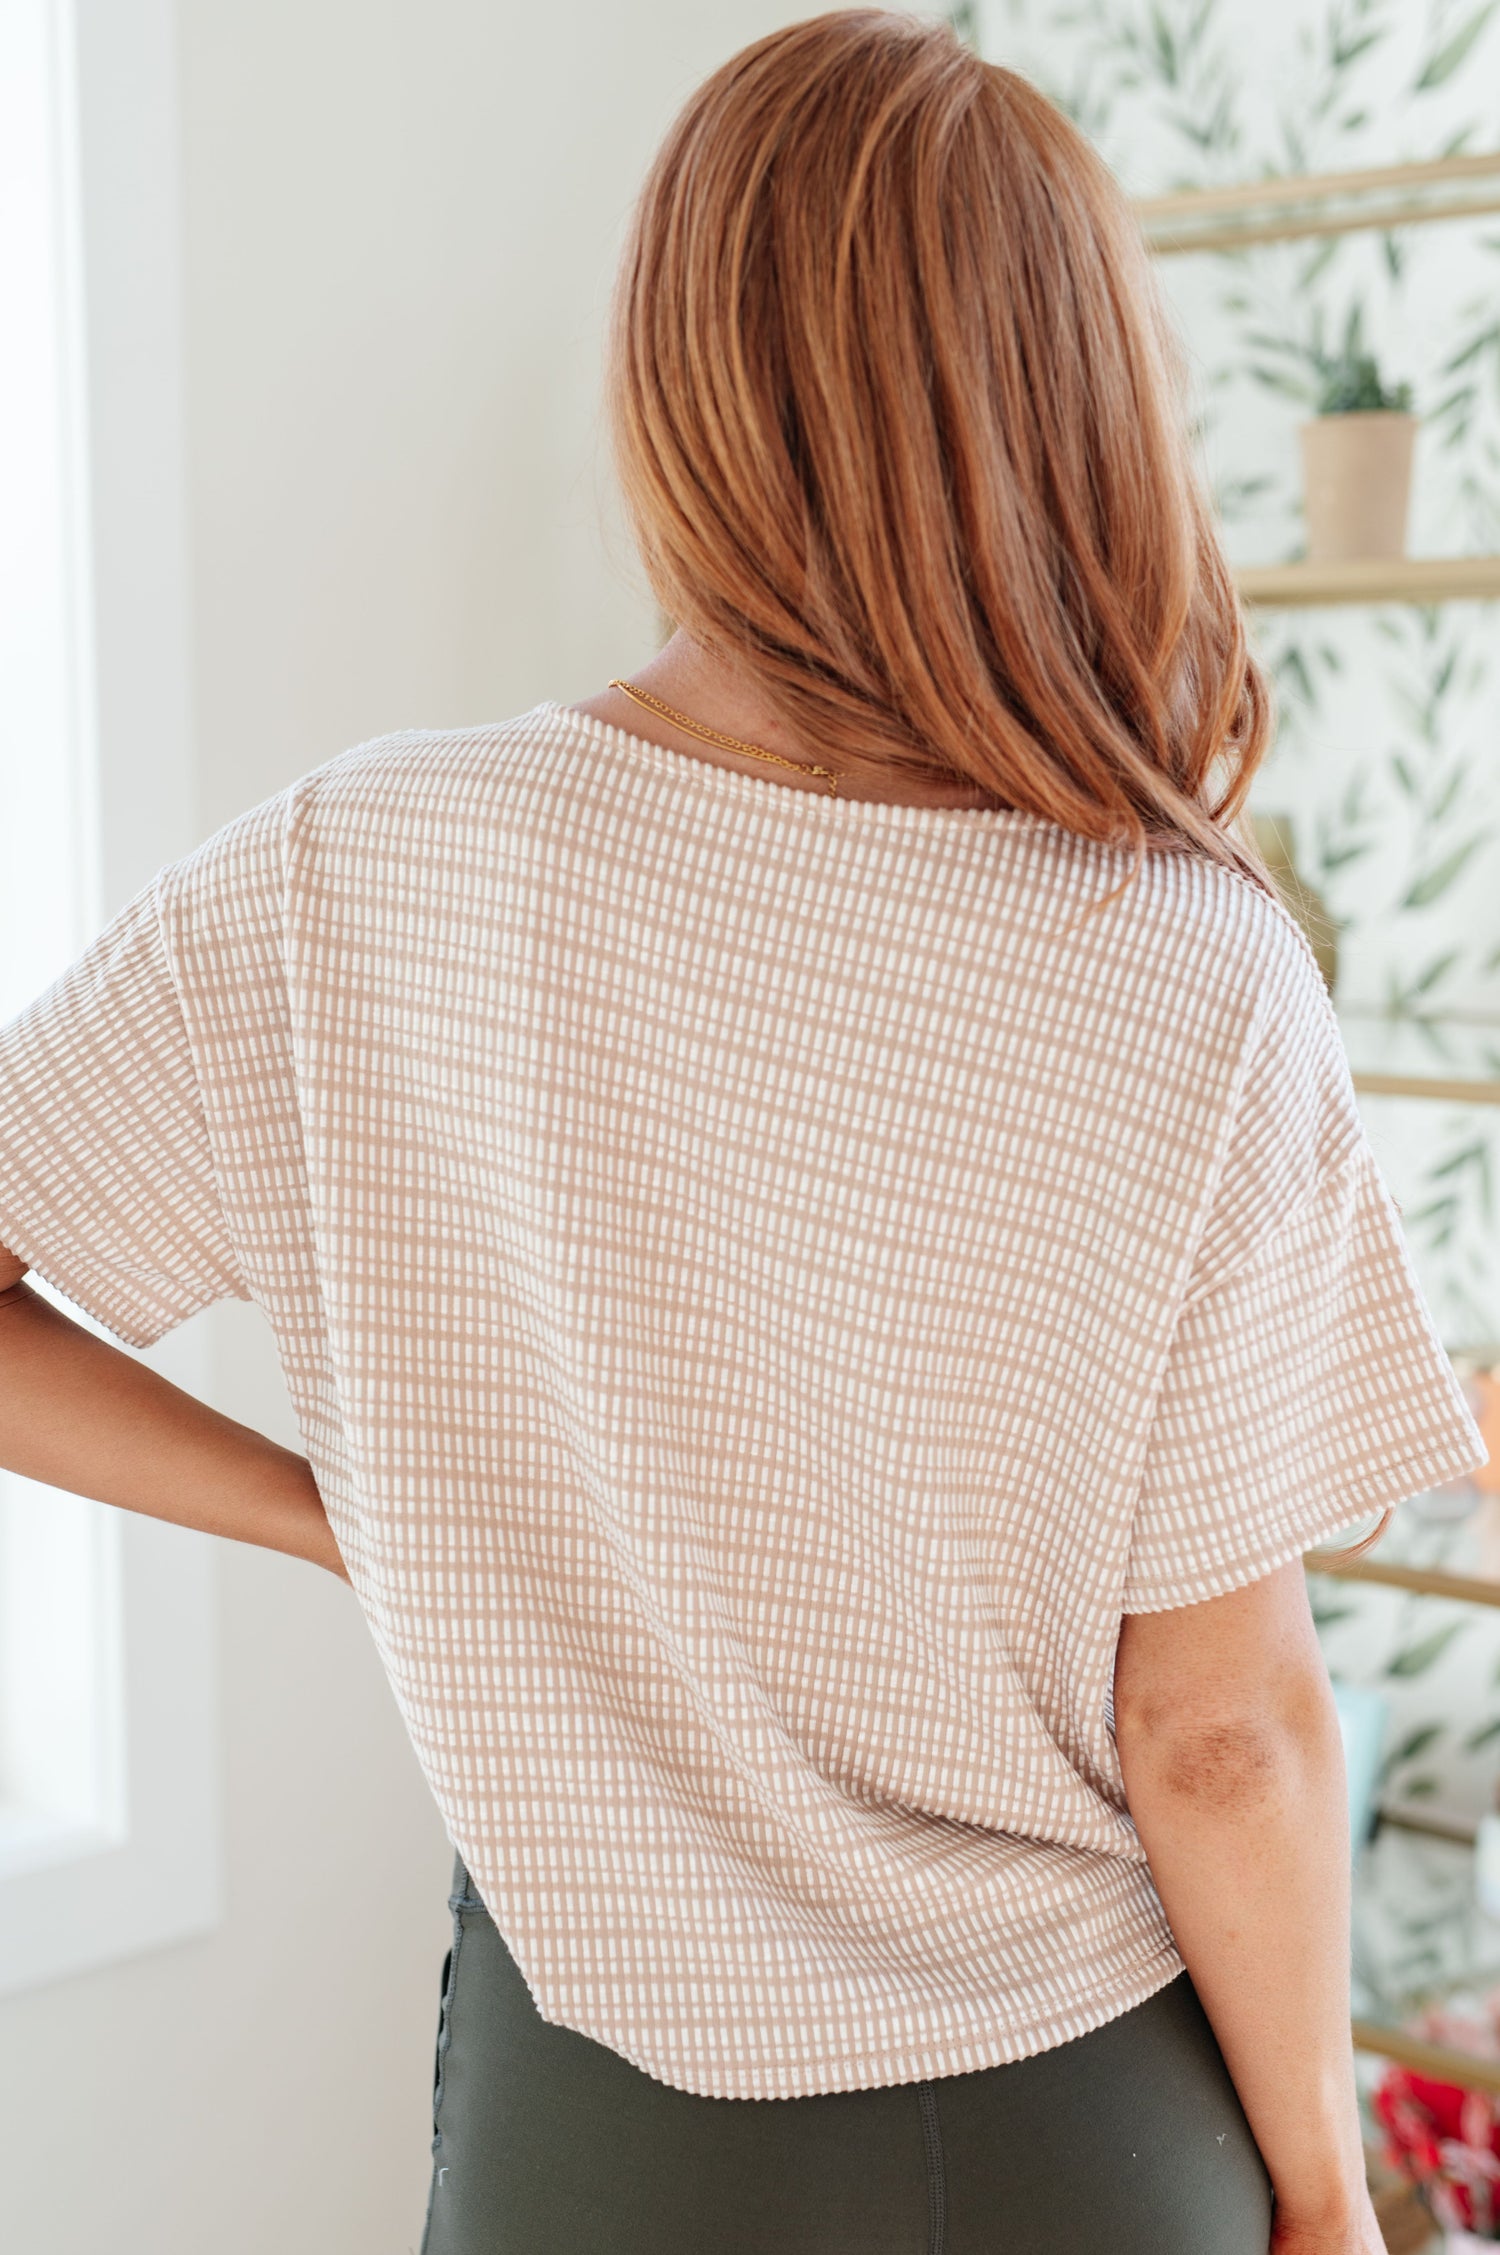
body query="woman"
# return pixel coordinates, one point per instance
(817, 1226)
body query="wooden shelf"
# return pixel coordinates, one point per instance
(1443, 1949)
(1431, 1827)
(1445, 1545)
(1462, 1068)
(1402, 579)
(1429, 1581)
(1436, 2060)
(1285, 208)
(1430, 1086)
(1444, 1060)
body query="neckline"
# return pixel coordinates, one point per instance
(762, 790)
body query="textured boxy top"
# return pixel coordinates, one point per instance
(766, 1284)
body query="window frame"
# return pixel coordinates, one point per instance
(111, 1837)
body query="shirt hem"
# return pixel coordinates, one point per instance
(1393, 1482)
(885, 2070)
(139, 1325)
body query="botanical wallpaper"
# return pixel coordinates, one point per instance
(1386, 759)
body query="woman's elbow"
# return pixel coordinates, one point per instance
(1229, 1751)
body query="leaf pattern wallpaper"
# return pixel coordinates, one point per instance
(1387, 761)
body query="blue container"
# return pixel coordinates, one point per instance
(1362, 1721)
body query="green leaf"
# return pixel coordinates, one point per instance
(1216, 131)
(1438, 969)
(1164, 47)
(1339, 857)
(1435, 882)
(1488, 340)
(1264, 340)
(1444, 1215)
(1457, 403)
(1293, 668)
(1439, 67)
(1482, 1737)
(1347, 51)
(1236, 493)
(1415, 1743)
(1321, 259)
(1285, 387)
(1416, 1659)
(1447, 795)
(1472, 1155)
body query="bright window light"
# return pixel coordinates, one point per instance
(109, 1815)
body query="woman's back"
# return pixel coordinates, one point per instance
(767, 1283)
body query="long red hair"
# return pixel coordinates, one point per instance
(900, 422)
(900, 425)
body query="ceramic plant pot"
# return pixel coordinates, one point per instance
(1356, 484)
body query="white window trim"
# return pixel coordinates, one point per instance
(111, 1837)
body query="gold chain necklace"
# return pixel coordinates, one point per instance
(727, 743)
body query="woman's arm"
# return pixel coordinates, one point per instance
(1234, 1774)
(79, 1414)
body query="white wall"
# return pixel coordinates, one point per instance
(401, 216)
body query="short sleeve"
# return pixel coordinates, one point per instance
(107, 1182)
(1305, 1386)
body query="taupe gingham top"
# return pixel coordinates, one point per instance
(765, 1288)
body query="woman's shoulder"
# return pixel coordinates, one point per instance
(388, 797)
(412, 766)
(1190, 925)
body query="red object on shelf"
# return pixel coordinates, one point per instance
(1446, 2140)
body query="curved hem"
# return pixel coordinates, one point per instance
(884, 2070)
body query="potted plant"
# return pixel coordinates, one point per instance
(1356, 450)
